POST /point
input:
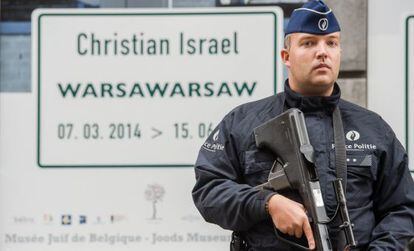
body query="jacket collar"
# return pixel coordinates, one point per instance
(312, 103)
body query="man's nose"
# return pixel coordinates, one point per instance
(321, 52)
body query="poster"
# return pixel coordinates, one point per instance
(99, 155)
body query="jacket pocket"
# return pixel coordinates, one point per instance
(361, 175)
(257, 165)
(362, 165)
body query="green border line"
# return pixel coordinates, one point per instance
(275, 41)
(38, 89)
(407, 89)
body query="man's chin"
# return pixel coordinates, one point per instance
(321, 88)
(323, 82)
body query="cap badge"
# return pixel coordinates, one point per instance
(323, 24)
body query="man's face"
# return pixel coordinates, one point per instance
(313, 62)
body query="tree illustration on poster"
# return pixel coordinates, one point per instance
(154, 193)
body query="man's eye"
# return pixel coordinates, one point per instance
(308, 43)
(332, 43)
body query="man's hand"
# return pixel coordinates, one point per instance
(290, 218)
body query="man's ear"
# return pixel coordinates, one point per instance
(284, 54)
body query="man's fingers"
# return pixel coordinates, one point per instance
(291, 231)
(298, 232)
(309, 235)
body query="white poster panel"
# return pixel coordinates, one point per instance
(390, 66)
(410, 87)
(114, 81)
(99, 155)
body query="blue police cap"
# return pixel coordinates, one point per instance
(314, 17)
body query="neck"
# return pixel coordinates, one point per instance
(312, 103)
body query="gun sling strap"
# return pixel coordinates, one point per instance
(340, 151)
(341, 170)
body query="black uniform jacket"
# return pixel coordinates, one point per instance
(380, 190)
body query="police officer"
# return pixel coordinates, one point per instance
(380, 190)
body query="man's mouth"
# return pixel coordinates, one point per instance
(321, 66)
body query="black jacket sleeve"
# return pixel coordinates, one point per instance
(393, 198)
(219, 193)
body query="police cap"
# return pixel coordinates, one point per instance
(314, 17)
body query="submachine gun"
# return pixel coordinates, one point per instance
(287, 138)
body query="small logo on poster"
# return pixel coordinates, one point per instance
(23, 220)
(82, 219)
(47, 219)
(117, 218)
(66, 219)
(98, 220)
